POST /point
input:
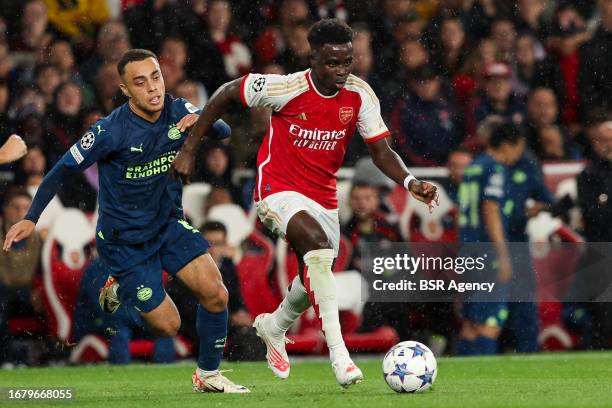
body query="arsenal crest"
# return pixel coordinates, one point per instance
(345, 114)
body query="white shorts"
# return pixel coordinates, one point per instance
(276, 210)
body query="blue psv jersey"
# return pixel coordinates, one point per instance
(484, 179)
(137, 194)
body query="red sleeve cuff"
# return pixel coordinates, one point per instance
(377, 137)
(242, 95)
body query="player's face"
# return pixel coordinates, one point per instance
(513, 152)
(331, 66)
(144, 85)
(16, 210)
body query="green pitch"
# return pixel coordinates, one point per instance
(543, 380)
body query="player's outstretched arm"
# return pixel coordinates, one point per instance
(393, 167)
(217, 105)
(13, 149)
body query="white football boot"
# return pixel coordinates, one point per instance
(216, 383)
(346, 372)
(277, 357)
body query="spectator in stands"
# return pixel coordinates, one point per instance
(412, 55)
(296, 55)
(17, 267)
(496, 99)
(61, 56)
(530, 19)
(118, 328)
(270, 41)
(532, 72)
(47, 78)
(542, 112)
(468, 80)
(113, 41)
(595, 66)
(428, 125)
(382, 25)
(551, 144)
(34, 34)
(503, 33)
(568, 33)
(64, 122)
(236, 55)
(594, 192)
(172, 60)
(217, 196)
(368, 223)
(241, 339)
(363, 63)
(451, 49)
(107, 87)
(215, 168)
(193, 91)
(458, 160)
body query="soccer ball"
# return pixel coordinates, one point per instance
(410, 366)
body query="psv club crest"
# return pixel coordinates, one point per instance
(345, 114)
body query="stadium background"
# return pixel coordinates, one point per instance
(441, 69)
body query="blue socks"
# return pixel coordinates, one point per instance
(164, 350)
(480, 345)
(212, 332)
(485, 345)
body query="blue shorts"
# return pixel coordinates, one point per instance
(138, 267)
(485, 313)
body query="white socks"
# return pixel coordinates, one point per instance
(291, 308)
(321, 287)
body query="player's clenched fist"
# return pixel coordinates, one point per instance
(14, 149)
(17, 232)
(425, 192)
(183, 164)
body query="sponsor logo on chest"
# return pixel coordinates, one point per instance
(316, 139)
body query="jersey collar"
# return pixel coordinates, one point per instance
(312, 85)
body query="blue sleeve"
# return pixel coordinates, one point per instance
(93, 146)
(539, 191)
(220, 129)
(492, 185)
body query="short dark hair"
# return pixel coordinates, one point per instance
(16, 192)
(135, 54)
(505, 133)
(329, 31)
(209, 226)
(363, 184)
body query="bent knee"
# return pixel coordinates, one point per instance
(169, 327)
(216, 301)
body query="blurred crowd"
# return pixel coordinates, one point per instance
(442, 70)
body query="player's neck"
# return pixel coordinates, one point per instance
(320, 88)
(496, 155)
(148, 116)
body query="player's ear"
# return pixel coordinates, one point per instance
(312, 55)
(124, 89)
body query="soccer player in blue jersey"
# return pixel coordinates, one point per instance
(482, 197)
(140, 227)
(525, 181)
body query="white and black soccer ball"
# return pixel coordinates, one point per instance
(410, 366)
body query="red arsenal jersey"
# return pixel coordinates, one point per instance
(309, 132)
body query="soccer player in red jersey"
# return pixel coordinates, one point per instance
(315, 114)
